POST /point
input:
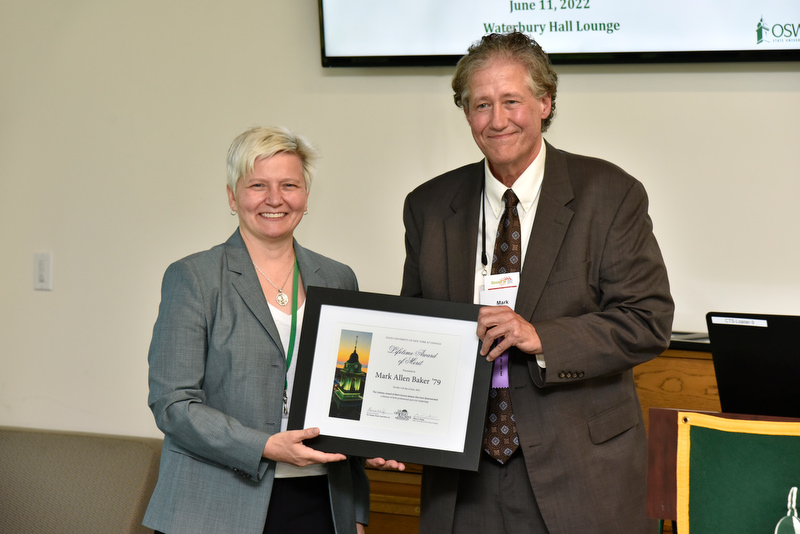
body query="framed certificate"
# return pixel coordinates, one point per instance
(391, 377)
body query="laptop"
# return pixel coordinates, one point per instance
(756, 362)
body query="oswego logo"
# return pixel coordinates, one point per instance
(761, 30)
(777, 33)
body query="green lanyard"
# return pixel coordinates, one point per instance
(292, 336)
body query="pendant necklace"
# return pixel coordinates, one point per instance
(281, 297)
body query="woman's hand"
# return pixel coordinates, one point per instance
(288, 447)
(383, 465)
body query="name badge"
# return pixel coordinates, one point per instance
(500, 290)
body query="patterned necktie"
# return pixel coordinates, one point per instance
(500, 438)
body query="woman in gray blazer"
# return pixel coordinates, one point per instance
(221, 366)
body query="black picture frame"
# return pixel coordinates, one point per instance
(365, 435)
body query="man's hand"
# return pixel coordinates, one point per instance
(288, 447)
(502, 324)
(383, 465)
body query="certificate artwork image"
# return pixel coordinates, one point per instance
(351, 375)
(392, 378)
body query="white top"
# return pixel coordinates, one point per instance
(283, 322)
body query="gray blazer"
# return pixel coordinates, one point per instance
(595, 287)
(217, 371)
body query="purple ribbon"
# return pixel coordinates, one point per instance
(500, 372)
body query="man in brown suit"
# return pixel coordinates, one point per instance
(593, 301)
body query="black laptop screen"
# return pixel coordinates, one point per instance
(756, 362)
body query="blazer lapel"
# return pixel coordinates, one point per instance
(245, 281)
(549, 228)
(461, 235)
(310, 270)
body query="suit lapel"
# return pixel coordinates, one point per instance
(461, 235)
(549, 228)
(310, 270)
(245, 281)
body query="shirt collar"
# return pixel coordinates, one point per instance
(526, 187)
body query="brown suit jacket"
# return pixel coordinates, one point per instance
(595, 287)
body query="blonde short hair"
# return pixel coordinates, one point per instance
(264, 142)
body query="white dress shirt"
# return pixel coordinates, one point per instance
(528, 188)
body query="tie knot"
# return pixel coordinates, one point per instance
(510, 198)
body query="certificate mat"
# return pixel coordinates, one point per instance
(392, 377)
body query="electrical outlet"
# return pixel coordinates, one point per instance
(43, 271)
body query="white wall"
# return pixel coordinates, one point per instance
(115, 117)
